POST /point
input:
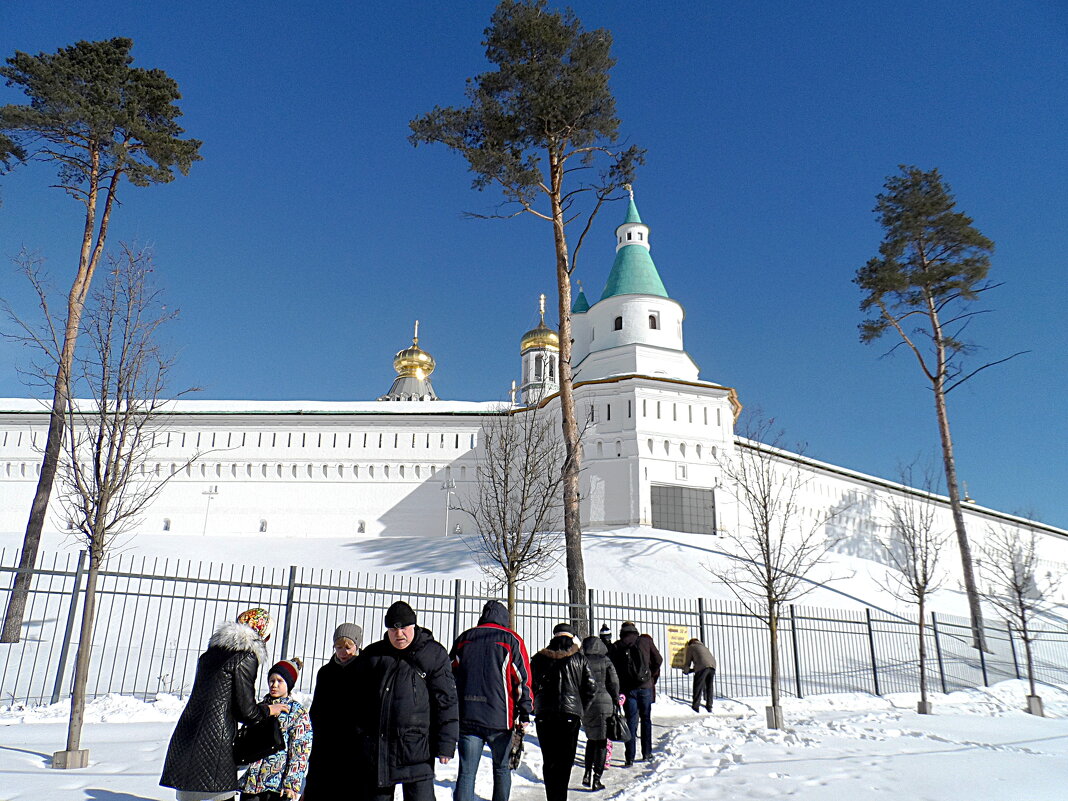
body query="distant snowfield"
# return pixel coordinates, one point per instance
(978, 745)
(635, 560)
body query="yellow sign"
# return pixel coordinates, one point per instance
(677, 637)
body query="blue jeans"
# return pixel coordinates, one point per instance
(639, 704)
(470, 748)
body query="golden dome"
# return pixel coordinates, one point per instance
(414, 361)
(540, 337)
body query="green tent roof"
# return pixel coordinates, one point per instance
(580, 304)
(634, 273)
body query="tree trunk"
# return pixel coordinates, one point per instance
(923, 656)
(576, 571)
(978, 633)
(773, 642)
(1025, 635)
(81, 663)
(511, 602)
(87, 261)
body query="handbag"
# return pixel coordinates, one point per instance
(616, 726)
(258, 741)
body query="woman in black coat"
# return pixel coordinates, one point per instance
(200, 758)
(329, 772)
(563, 687)
(595, 718)
(406, 712)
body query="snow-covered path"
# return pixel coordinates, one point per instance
(978, 745)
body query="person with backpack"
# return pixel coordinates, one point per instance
(637, 662)
(492, 672)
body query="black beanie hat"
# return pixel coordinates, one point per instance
(563, 628)
(399, 615)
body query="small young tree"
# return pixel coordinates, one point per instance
(535, 126)
(97, 120)
(932, 265)
(913, 547)
(104, 480)
(1015, 586)
(774, 546)
(516, 504)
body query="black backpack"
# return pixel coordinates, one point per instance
(633, 666)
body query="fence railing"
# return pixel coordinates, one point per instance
(155, 615)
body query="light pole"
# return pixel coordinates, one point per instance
(448, 487)
(211, 492)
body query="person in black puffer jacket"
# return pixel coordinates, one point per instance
(405, 711)
(563, 688)
(200, 758)
(595, 718)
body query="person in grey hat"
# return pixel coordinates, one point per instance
(331, 713)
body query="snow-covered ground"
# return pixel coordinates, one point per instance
(977, 745)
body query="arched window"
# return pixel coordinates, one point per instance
(618, 325)
(263, 526)
(600, 449)
(538, 367)
(619, 448)
(653, 321)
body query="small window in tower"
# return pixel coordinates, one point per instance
(608, 411)
(618, 324)
(619, 448)
(552, 369)
(654, 321)
(600, 449)
(630, 236)
(628, 409)
(639, 236)
(538, 368)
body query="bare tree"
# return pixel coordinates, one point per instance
(517, 504)
(104, 480)
(913, 547)
(1015, 587)
(774, 545)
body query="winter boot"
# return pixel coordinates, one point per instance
(586, 777)
(597, 783)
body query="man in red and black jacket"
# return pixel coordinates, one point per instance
(492, 672)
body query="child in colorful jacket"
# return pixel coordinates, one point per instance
(281, 775)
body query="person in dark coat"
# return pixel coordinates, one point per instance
(702, 664)
(563, 688)
(640, 694)
(492, 674)
(200, 757)
(333, 702)
(596, 715)
(405, 711)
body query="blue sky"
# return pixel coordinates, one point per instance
(312, 235)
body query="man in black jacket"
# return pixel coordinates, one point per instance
(637, 662)
(563, 688)
(405, 713)
(492, 674)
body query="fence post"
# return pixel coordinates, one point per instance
(982, 663)
(797, 654)
(701, 622)
(1012, 645)
(457, 591)
(69, 632)
(871, 647)
(938, 651)
(290, 592)
(590, 605)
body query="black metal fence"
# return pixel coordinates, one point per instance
(155, 615)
